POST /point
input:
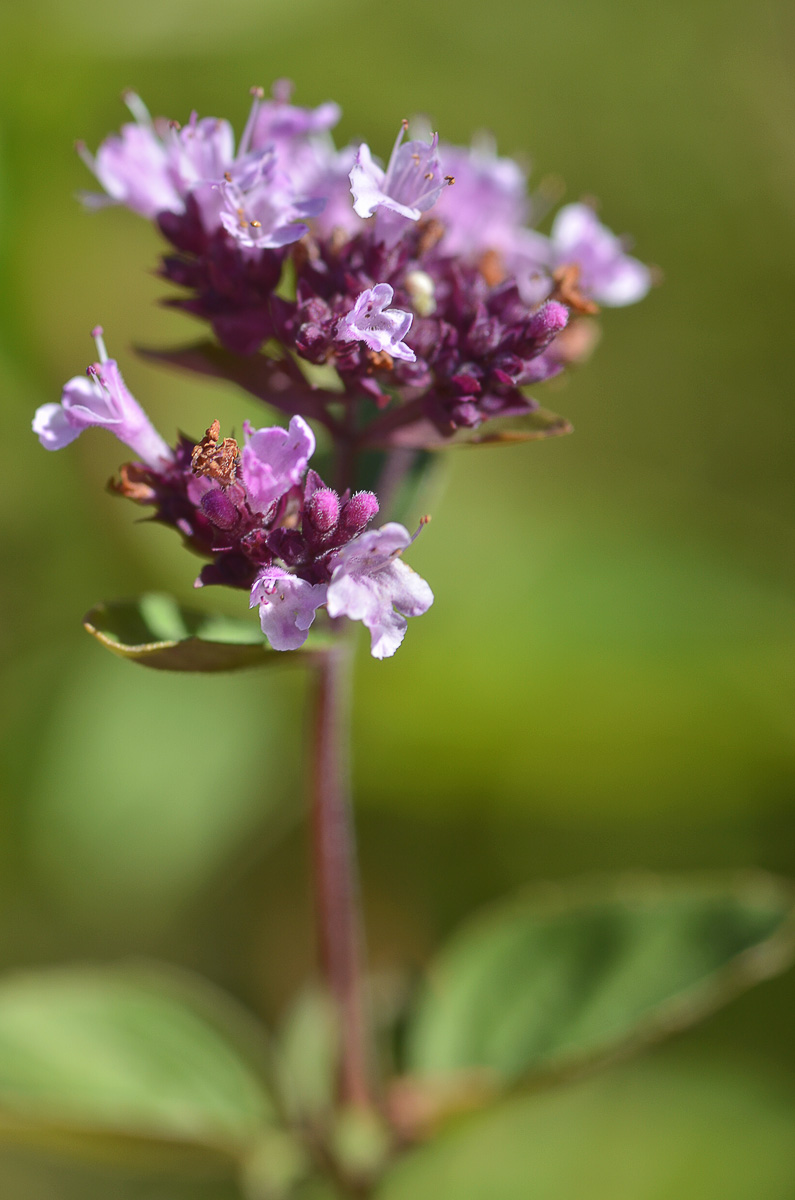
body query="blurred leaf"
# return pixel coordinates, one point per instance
(157, 632)
(268, 379)
(563, 977)
(308, 1048)
(361, 1142)
(423, 434)
(124, 1060)
(277, 1164)
(670, 1125)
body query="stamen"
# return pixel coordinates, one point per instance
(136, 107)
(258, 95)
(425, 195)
(426, 520)
(97, 334)
(84, 155)
(401, 134)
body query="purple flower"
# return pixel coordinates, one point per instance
(380, 328)
(370, 583)
(133, 167)
(260, 211)
(199, 154)
(606, 272)
(274, 460)
(411, 184)
(278, 121)
(488, 205)
(287, 606)
(152, 166)
(100, 398)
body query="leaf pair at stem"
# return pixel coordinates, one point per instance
(148, 1065)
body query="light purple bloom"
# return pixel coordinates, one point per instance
(260, 209)
(370, 583)
(278, 121)
(488, 205)
(152, 166)
(133, 167)
(379, 327)
(199, 154)
(100, 398)
(606, 272)
(273, 460)
(328, 175)
(287, 606)
(411, 184)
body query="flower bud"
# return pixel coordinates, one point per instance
(549, 320)
(323, 510)
(358, 512)
(219, 509)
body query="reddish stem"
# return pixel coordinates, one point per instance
(336, 883)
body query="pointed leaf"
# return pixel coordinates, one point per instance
(130, 1059)
(156, 631)
(526, 427)
(270, 379)
(560, 978)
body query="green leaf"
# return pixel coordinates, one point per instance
(130, 1060)
(563, 977)
(679, 1126)
(156, 631)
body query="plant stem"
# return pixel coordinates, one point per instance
(336, 881)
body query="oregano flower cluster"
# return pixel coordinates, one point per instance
(420, 289)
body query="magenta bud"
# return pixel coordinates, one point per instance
(360, 509)
(219, 509)
(549, 320)
(323, 510)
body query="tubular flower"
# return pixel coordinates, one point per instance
(260, 515)
(370, 583)
(100, 398)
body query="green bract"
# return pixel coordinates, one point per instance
(157, 632)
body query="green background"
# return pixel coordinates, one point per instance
(606, 677)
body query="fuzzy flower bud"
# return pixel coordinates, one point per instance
(219, 509)
(323, 510)
(358, 512)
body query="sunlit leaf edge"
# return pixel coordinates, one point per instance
(194, 652)
(438, 1096)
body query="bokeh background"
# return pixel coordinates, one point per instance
(606, 677)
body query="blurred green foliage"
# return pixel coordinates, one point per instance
(606, 677)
